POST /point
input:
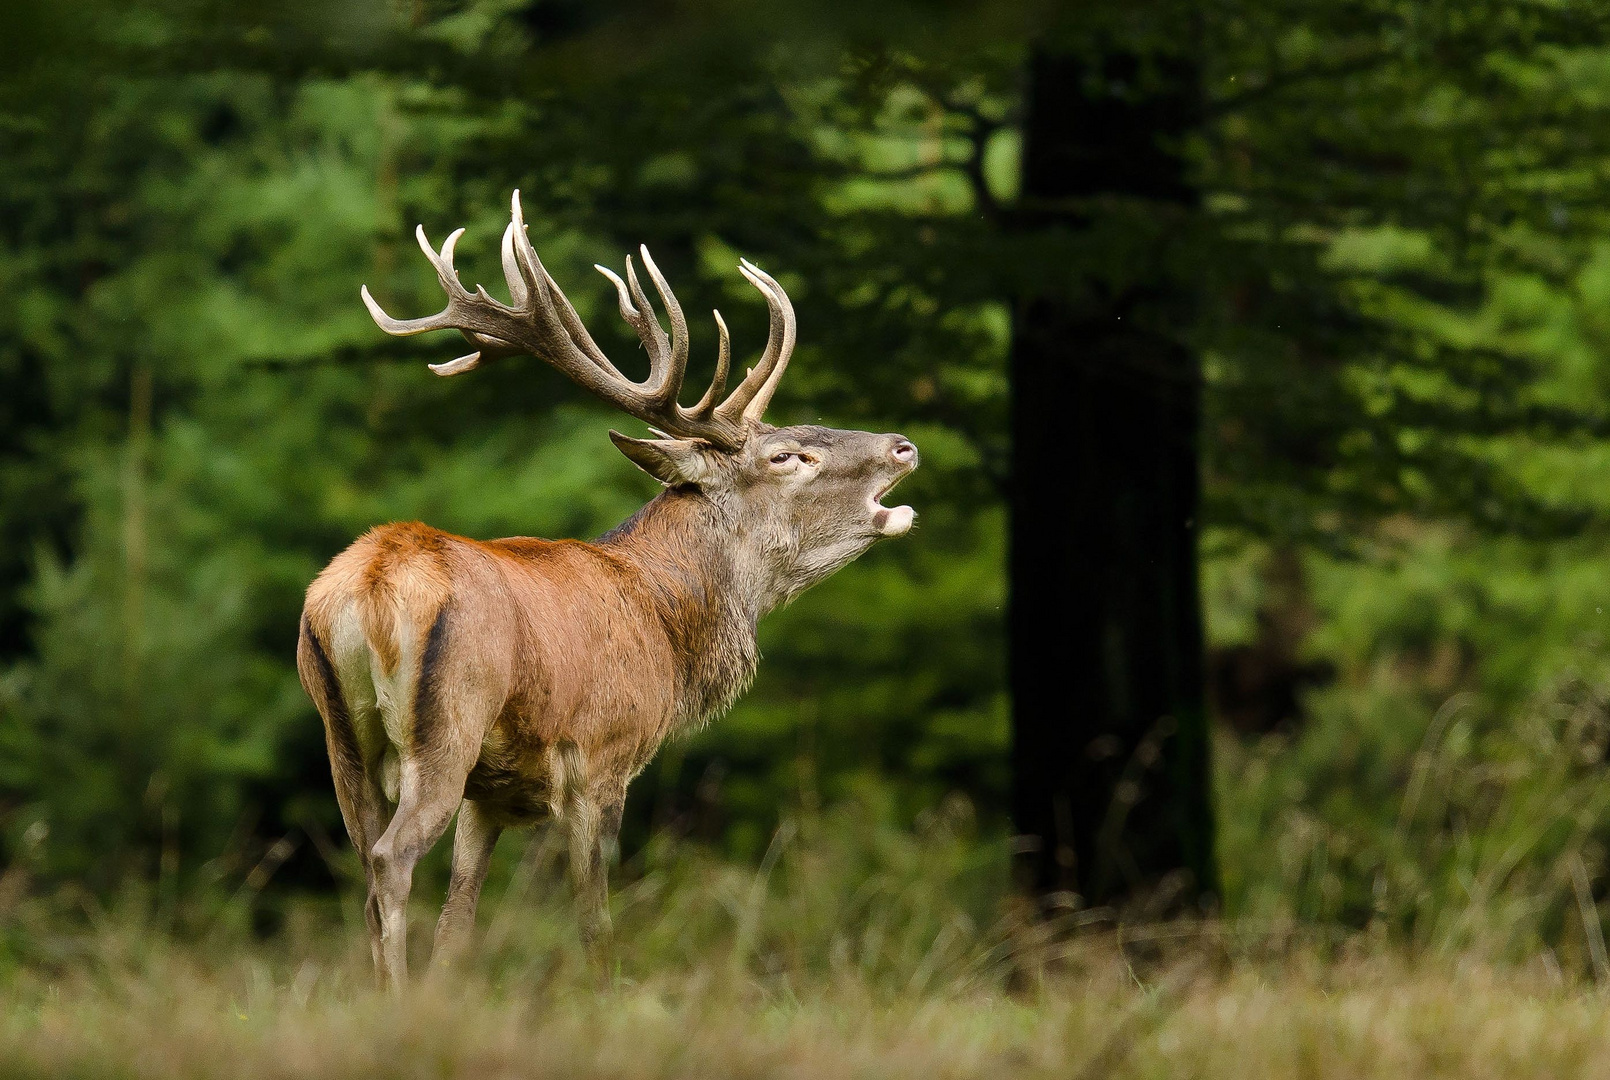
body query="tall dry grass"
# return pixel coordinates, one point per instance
(852, 950)
(1452, 829)
(273, 1014)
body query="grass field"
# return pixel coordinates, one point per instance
(849, 951)
(1365, 1016)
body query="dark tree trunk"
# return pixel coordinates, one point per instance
(1110, 753)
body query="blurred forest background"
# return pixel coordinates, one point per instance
(1374, 235)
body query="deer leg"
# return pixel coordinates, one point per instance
(424, 808)
(594, 839)
(364, 811)
(473, 842)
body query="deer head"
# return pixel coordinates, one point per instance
(807, 498)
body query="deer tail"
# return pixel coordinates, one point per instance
(378, 613)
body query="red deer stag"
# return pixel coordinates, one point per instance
(519, 679)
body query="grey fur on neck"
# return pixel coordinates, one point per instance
(709, 588)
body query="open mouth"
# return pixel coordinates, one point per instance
(890, 520)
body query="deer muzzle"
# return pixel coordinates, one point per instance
(895, 520)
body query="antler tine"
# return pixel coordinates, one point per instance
(443, 264)
(663, 385)
(660, 387)
(400, 327)
(629, 312)
(443, 261)
(676, 368)
(718, 384)
(519, 291)
(534, 278)
(749, 401)
(647, 324)
(778, 303)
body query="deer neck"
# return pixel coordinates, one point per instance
(704, 579)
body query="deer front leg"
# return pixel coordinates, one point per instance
(594, 824)
(476, 836)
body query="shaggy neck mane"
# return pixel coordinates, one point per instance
(688, 551)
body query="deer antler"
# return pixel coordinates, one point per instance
(542, 322)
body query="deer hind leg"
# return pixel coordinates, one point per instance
(366, 813)
(365, 806)
(476, 836)
(366, 809)
(430, 794)
(350, 721)
(437, 741)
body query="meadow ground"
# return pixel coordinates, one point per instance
(170, 1016)
(848, 951)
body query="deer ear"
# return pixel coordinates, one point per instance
(673, 462)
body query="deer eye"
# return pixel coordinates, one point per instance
(782, 456)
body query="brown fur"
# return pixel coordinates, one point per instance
(529, 678)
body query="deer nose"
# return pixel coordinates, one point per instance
(904, 451)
